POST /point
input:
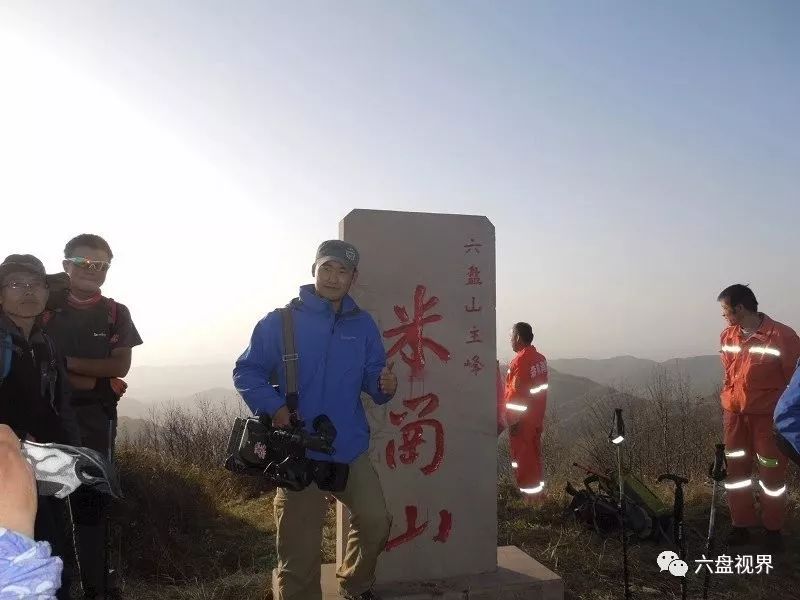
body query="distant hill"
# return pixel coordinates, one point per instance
(227, 397)
(148, 383)
(133, 408)
(573, 382)
(569, 396)
(704, 373)
(129, 429)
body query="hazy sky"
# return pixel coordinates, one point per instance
(635, 157)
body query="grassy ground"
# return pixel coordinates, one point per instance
(223, 549)
(189, 530)
(592, 567)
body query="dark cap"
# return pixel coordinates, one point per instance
(337, 250)
(28, 263)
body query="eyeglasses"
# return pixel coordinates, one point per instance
(90, 265)
(19, 286)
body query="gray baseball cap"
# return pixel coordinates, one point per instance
(337, 250)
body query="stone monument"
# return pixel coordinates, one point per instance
(429, 282)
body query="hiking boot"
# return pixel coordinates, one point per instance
(368, 595)
(774, 542)
(738, 536)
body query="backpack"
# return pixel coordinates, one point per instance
(111, 305)
(646, 516)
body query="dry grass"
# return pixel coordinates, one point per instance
(191, 531)
(591, 566)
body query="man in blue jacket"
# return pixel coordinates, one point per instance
(340, 355)
(787, 419)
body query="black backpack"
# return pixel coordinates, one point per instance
(596, 508)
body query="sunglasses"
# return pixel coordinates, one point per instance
(89, 265)
(23, 286)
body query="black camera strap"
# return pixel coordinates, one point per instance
(290, 359)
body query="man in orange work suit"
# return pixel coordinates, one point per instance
(758, 358)
(525, 403)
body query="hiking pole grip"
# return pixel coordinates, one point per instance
(617, 436)
(620, 424)
(677, 510)
(719, 470)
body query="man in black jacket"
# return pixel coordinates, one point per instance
(34, 392)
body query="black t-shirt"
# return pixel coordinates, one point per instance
(26, 404)
(92, 332)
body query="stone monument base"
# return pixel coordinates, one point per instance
(517, 577)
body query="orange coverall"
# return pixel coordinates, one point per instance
(526, 393)
(756, 372)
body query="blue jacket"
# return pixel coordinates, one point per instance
(787, 413)
(340, 355)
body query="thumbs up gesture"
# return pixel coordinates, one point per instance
(387, 382)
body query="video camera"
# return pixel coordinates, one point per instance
(255, 447)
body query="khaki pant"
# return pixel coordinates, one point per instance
(299, 517)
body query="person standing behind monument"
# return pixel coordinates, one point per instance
(97, 335)
(526, 403)
(500, 388)
(340, 354)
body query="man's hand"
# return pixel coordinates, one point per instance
(17, 486)
(281, 418)
(118, 386)
(387, 382)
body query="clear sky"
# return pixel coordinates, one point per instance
(635, 157)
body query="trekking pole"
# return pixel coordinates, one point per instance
(107, 541)
(677, 518)
(717, 472)
(616, 436)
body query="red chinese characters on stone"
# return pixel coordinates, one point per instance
(474, 364)
(413, 434)
(445, 525)
(474, 276)
(413, 530)
(413, 335)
